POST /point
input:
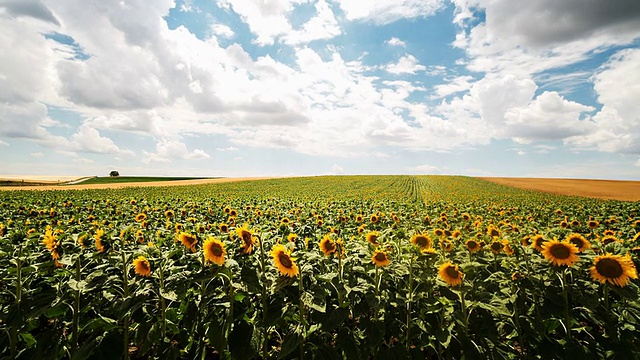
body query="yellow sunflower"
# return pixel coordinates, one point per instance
(168, 214)
(609, 233)
(537, 241)
(374, 218)
(360, 229)
(372, 237)
(579, 241)
(359, 218)
(466, 217)
(141, 217)
(615, 269)
(560, 253)
(438, 232)
(496, 246)
(422, 241)
(188, 240)
(493, 231)
(142, 266)
(609, 239)
(248, 240)
(327, 245)
(473, 245)
(98, 238)
(214, 250)
(450, 274)
(592, 224)
(292, 237)
(380, 258)
(446, 245)
(283, 261)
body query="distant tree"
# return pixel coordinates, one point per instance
(114, 173)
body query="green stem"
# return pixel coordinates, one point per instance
(76, 312)
(465, 319)
(409, 302)
(517, 316)
(302, 319)
(125, 280)
(565, 296)
(232, 296)
(377, 280)
(163, 304)
(265, 342)
(340, 300)
(606, 295)
(14, 330)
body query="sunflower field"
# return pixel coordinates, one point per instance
(355, 267)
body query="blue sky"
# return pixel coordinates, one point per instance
(312, 87)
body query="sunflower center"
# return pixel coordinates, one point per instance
(472, 244)
(452, 272)
(609, 268)
(422, 241)
(577, 242)
(497, 246)
(381, 256)
(285, 260)
(373, 239)
(246, 237)
(143, 265)
(216, 249)
(560, 251)
(329, 246)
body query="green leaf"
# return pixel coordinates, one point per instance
(290, 343)
(348, 344)
(240, 341)
(169, 295)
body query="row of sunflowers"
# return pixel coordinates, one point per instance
(353, 267)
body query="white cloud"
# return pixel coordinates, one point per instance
(168, 150)
(88, 139)
(394, 41)
(4, 143)
(427, 169)
(455, 85)
(323, 26)
(222, 31)
(337, 169)
(407, 64)
(230, 148)
(385, 12)
(37, 154)
(637, 163)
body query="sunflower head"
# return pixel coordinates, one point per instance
(141, 217)
(374, 218)
(214, 250)
(380, 258)
(422, 240)
(360, 229)
(188, 240)
(292, 237)
(142, 266)
(466, 217)
(446, 245)
(496, 246)
(560, 253)
(473, 245)
(372, 237)
(493, 231)
(579, 241)
(537, 241)
(592, 224)
(247, 238)
(359, 218)
(450, 274)
(283, 261)
(327, 245)
(607, 239)
(614, 269)
(609, 233)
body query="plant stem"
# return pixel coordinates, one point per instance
(409, 302)
(13, 330)
(163, 304)
(76, 312)
(566, 304)
(264, 301)
(302, 319)
(340, 300)
(606, 295)
(463, 305)
(125, 288)
(232, 296)
(377, 281)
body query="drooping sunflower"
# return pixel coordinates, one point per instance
(142, 266)
(526, 241)
(615, 269)
(188, 240)
(380, 258)
(422, 240)
(372, 237)
(450, 274)
(327, 245)
(214, 250)
(537, 241)
(507, 248)
(560, 252)
(98, 238)
(472, 245)
(283, 261)
(248, 240)
(579, 241)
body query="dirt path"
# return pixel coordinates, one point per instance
(132, 184)
(602, 189)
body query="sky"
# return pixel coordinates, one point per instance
(522, 88)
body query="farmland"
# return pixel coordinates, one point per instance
(355, 267)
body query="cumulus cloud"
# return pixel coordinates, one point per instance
(168, 150)
(427, 169)
(407, 64)
(323, 26)
(385, 12)
(394, 41)
(29, 8)
(88, 139)
(222, 30)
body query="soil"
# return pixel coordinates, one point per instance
(601, 189)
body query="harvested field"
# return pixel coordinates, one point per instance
(131, 184)
(601, 189)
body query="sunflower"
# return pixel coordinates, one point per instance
(188, 240)
(564, 224)
(283, 261)
(493, 231)
(233, 213)
(575, 223)
(507, 248)
(422, 241)
(446, 245)
(374, 218)
(141, 217)
(319, 222)
(560, 253)
(537, 241)
(142, 266)
(609, 233)
(98, 238)
(526, 241)
(427, 219)
(380, 258)
(473, 245)
(49, 239)
(327, 245)
(592, 224)
(496, 246)
(372, 237)
(466, 217)
(360, 229)
(450, 274)
(359, 218)
(579, 241)
(247, 238)
(292, 237)
(214, 250)
(615, 269)
(609, 239)
(456, 234)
